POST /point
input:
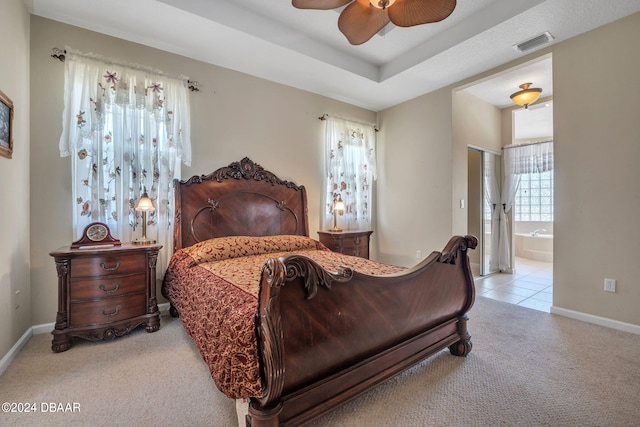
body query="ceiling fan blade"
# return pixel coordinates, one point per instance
(319, 4)
(359, 21)
(407, 13)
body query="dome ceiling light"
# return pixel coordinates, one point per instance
(526, 96)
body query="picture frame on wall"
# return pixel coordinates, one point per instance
(6, 126)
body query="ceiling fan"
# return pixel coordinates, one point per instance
(362, 19)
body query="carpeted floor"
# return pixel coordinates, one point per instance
(527, 368)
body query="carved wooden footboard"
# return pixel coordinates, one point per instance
(325, 338)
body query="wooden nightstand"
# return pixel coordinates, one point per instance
(353, 242)
(105, 292)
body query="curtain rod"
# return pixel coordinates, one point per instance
(60, 55)
(324, 117)
(524, 145)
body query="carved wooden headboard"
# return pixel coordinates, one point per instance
(241, 199)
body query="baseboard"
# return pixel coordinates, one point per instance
(43, 328)
(596, 320)
(11, 354)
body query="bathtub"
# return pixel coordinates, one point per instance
(536, 248)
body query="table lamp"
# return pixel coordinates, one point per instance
(338, 205)
(145, 204)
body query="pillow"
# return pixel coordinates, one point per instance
(238, 246)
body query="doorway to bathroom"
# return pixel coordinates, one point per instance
(488, 120)
(527, 198)
(533, 207)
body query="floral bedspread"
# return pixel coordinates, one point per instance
(214, 286)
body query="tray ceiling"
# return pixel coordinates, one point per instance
(304, 48)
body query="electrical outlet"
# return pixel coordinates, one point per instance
(419, 254)
(610, 285)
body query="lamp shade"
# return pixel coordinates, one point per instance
(145, 204)
(338, 206)
(526, 96)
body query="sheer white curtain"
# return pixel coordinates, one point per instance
(126, 129)
(492, 196)
(519, 159)
(509, 188)
(350, 172)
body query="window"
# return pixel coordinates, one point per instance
(350, 171)
(534, 197)
(126, 130)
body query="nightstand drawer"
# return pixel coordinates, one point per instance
(107, 265)
(107, 310)
(347, 242)
(106, 287)
(355, 246)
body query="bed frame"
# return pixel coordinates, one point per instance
(325, 338)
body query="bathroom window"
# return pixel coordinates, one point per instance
(534, 198)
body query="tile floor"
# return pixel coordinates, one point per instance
(531, 286)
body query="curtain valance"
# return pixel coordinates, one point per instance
(528, 158)
(94, 85)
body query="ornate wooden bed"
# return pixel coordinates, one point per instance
(323, 337)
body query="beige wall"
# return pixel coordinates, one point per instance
(475, 123)
(234, 115)
(422, 161)
(15, 308)
(414, 178)
(597, 178)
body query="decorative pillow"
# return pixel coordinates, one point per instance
(238, 246)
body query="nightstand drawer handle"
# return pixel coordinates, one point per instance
(110, 268)
(110, 291)
(117, 310)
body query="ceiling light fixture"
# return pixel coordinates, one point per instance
(381, 4)
(526, 96)
(362, 19)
